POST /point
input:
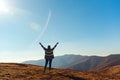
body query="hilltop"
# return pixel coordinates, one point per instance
(15, 71)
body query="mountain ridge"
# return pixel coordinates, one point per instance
(94, 63)
(84, 63)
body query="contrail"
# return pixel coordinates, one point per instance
(44, 28)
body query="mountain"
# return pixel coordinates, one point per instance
(94, 63)
(58, 61)
(15, 71)
(84, 63)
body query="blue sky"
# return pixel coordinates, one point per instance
(85, 27)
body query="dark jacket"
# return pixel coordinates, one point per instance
(48, 52)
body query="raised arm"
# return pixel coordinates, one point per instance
(42, 46)
(55, 45)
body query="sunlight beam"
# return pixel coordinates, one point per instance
(4, 7)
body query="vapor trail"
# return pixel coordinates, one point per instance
(44, 28)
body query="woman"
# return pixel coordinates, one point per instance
(48, 55)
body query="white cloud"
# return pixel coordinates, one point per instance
(35, 26)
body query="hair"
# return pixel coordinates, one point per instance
(49, 47)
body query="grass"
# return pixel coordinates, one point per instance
(14, 71)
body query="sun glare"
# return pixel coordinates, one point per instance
(4, 7)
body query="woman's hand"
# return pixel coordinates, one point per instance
(40, 43)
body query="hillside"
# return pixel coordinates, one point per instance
(14, 71)
(95, 63)
(84, 63)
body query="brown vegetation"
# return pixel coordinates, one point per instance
(13, 71)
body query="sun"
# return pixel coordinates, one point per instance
(4, 7)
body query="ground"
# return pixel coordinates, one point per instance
(15, 71)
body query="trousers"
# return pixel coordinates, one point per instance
(46, 62)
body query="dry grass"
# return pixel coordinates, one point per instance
(13, 71)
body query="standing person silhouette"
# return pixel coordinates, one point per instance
(48, 55)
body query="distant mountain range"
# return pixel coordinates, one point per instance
(84, 63)
(58, 61)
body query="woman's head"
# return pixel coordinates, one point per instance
(49, 47)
